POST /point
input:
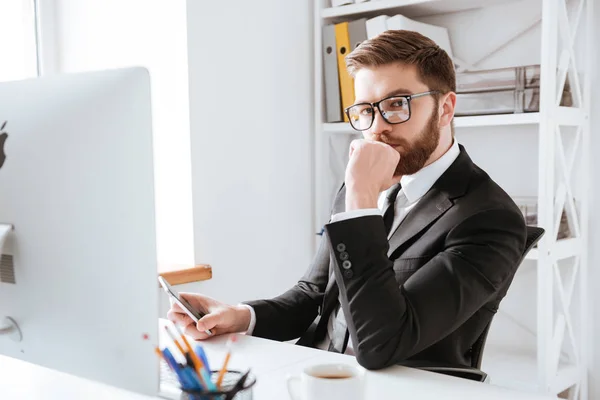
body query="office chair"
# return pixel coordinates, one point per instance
(474, 372)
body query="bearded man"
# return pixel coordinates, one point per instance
(422, 244)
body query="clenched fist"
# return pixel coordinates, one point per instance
(370, 171)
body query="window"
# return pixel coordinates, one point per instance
(96, 35)
(76, 36)
(18, 58)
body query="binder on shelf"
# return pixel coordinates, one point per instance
(376, 25)
(333, 104)
(502, 91)
(337, 3)
(438, 34)
(342, 40)
(358, 32)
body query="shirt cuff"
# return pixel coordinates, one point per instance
(362, 212)
(252, 319)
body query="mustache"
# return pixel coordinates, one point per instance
(397, 142)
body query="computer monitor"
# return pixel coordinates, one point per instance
(77, 185)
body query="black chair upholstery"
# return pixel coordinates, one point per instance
(475, 373)
(477, 349)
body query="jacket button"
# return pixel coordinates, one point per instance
(346, 264)
(344, 256)
(348, 274)
(341, 247)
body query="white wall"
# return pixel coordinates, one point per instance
(250, 68)
(594, 243)
(100, 34)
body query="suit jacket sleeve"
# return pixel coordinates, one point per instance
(289, 315)
(389, 322)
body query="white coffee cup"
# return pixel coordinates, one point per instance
(328, 382)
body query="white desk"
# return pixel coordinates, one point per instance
(270, 361)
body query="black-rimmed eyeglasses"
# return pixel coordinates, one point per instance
(393, 109)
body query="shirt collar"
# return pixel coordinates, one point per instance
(416, 185)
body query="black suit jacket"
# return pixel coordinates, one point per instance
(427, 293)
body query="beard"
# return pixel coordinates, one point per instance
(414, 155)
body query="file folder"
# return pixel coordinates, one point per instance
(333, 105)
(342, 40)
(358, 32)
(438, 34)
(376, 25)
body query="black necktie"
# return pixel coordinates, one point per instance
(388, 206)
(340, 334)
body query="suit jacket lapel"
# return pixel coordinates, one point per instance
(452, 184)
(428, 209)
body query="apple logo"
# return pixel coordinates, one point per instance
(3, 137)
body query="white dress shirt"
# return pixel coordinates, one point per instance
(413, 188)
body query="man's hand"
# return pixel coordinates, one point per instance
(369, 172)
(220, 318)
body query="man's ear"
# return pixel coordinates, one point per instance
(446, 111)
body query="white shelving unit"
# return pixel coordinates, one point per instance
(409, 8)
(552, 367)
(565, 116)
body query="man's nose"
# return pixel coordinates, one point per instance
(380, 125)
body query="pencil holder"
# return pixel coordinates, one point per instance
(230, 390)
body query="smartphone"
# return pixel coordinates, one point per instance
(187, 307)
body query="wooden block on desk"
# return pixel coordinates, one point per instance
(180, 274)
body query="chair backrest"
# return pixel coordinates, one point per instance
(534, 234)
